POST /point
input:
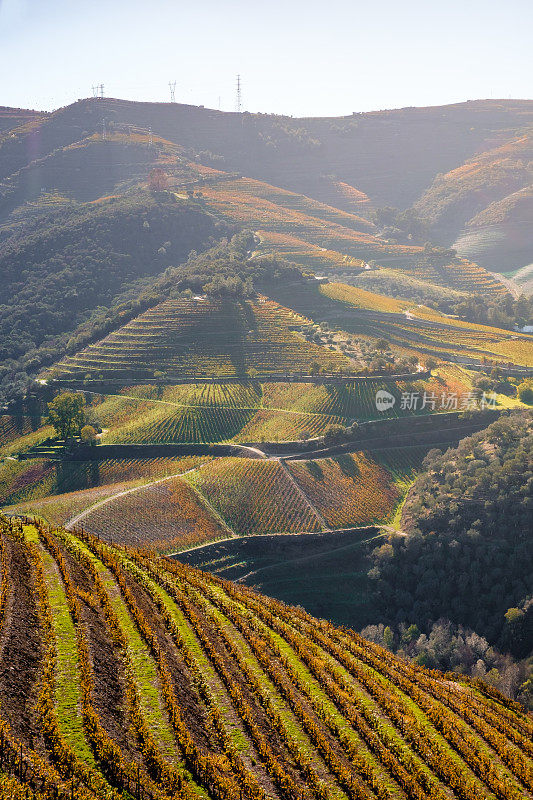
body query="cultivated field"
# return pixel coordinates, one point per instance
(255, 412)
(158, 681)
(358, 488)
(204, 337)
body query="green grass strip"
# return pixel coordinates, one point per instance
(268, 688)
(67, 693)
(220, 695)
(144, 668)
(314, 687)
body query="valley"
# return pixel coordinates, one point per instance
(265, 453)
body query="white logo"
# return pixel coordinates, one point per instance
(384, 400)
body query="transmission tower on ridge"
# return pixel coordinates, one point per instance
(238, 99)
(172, 87)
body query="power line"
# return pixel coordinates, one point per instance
(172, 87)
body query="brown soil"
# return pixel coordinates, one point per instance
(109, 691)
(261, 718)
(266, 724)
(191, 705)
(195, 714)
(21, 651)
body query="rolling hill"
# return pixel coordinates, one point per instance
(486, 204)
(272, 336)
(309, 189)
(14, 117)
(153, 679)
(204, 337)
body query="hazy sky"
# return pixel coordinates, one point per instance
(302, 58)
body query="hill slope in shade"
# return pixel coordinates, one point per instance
(499, 237)
(298, 153)
(11, 118)
(339, 162)
(487, 201)
(161, 680)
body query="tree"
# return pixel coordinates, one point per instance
(88, 434)
(525, 392)
(66, 413)
(382, 344)
(334, 434)
(354, 430)
(230, 286)
(388, 638)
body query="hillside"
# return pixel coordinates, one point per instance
(13, 117)
(83, 218)
(297, 153)
(161, 681)
(71, 260)
(467, 555)
(150, 495)
(486, 205)
(222, 338)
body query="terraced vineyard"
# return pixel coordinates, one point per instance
(18, 433)
(255, 496)
(255, 412)
(56, 490)
(39, 477)
(431, 330)
(203, 337)
(11, 427)
(357, 400)
(311, 256)
(356, 488)
(166, 516)
(155, 680)
(408, 327)
(300, 227)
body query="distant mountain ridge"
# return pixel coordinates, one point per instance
(413, 157)
(13, 117)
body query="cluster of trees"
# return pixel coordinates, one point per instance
(400, 225)
(66, 413)
(467, 555)
(454, 648)
(223, 270)
(113, 283)
(501, 312)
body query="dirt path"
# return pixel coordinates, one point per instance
(304, 497)
(75, 520)
(209, 407)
